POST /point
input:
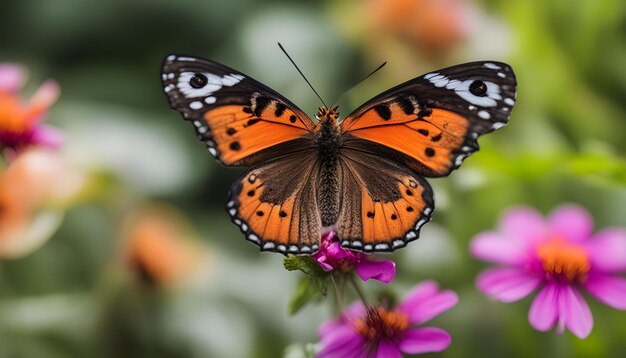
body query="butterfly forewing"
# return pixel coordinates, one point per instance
(236, 116)
(434, 120)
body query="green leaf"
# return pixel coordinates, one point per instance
(312, 287)
(311, 269)
(306, 291)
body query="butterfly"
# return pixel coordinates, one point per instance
(362, 177)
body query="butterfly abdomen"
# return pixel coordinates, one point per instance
(328, 139)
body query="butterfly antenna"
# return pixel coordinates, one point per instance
(302, 74)
(358, 83)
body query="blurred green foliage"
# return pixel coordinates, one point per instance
(77, 297)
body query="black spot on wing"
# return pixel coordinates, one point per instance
(406, 105)
(280, 109)
(260, 104)
(383, 111)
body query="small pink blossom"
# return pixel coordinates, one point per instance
(377, 332)
(331, 256)
(20, 122)
(560, 255)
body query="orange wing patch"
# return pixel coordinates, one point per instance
(384, 114)
(433, 140)
(272, 222)
(239, 131)
(390, 225)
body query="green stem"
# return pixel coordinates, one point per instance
(358, 290)
(338, 293)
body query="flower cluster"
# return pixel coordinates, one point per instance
(20, 121)
(36, 183)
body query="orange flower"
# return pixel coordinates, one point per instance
(34, 190)
(158, 247)
(433, 26)
(20, 123)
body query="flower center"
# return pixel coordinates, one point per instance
(12, 116)
(563, 259)
(378, 323)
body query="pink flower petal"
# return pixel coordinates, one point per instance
(419, 293)
(387, 349)
(431, 306)
(354, 312)
(344, 342)
(424, 340)
(507, 284)
(45, 97)
(383, 271)
(544, 309)
(571, 222)
(607, 289)
(12, 77)
(493, 247)
(574, 312)
(524, 224)
(607, 250)
(47, 136)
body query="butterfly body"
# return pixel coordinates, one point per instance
(328, 142)
(362, 177)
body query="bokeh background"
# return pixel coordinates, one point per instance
(141, 259)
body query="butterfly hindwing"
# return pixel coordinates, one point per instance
(433, 121)
(237, 117)
(275, 204)
(385, 203)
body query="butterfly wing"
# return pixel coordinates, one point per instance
(431, 123)
(384, 203)
(275, 203)
(237, 117)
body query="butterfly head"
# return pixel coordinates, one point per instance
(325, 114)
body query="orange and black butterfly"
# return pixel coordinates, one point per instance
(362, 177)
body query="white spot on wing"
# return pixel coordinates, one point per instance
(195, 105)
(210, 100)
(509, 101)
(382, 247)
(501, 75)
(190, 59)
(492, 66)
(484, 114)
(497, 125)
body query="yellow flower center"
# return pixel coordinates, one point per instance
(379, 323)
(13, 117)
(564, 259)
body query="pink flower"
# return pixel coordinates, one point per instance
(559, 255)
(378, 332)
(331, 256)
(20, 123)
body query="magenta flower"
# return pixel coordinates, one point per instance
(331, 256)
(20, 123)
(376, 332)
(559, 255)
